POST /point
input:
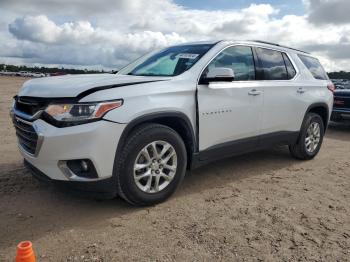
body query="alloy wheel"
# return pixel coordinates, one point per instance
(313, 136)
(155, 166)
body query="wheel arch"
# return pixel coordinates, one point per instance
(173, 119)
(322, 110)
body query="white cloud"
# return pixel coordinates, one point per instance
(110, 33)
(328, 11)
(79, 43)
(42, 30)
(36, 29)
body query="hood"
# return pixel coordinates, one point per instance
(75, 85)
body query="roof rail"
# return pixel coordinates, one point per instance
(269, 43)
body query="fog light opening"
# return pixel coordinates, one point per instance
(82, 168)
(84, 165)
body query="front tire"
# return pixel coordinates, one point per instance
(310, 138)
(151, 166)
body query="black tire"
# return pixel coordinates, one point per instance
(135, 142)
(298, 150)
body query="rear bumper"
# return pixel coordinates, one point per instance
(105, 188)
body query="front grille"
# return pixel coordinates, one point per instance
(27, 137)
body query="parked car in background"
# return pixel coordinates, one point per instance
(341, 104)
(7, 73)
(22, 73)
(341, 83)
(33, 74)
(58, 74)
(27, 74)
(136, 132)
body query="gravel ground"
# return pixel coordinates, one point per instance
(263, 206)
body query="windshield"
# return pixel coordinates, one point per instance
(171, 61)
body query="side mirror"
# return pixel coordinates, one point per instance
(218, 74)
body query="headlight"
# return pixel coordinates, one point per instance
(81, 112)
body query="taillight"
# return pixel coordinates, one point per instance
(331, 87)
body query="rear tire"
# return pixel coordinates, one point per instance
(310, 138)
(142, 157)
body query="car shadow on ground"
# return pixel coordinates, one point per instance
(233, 169)
(31, 208)
(339, 131)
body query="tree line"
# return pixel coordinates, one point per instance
(47, 70)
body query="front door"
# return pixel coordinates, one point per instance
(230, 113)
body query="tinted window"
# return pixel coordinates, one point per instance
(170, 61)
(290, 68)
(240, 59)
(271, 64)
(314, 67)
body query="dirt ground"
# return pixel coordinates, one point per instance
(263, 206)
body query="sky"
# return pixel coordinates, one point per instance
(107, 34)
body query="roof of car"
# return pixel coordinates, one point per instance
(200, 43)
(267, 44)
(255, 42)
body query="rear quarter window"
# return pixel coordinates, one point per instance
(290, 68)
(314, 67)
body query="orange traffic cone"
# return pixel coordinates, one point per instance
(25, 252)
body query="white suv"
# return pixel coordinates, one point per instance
(135, 133)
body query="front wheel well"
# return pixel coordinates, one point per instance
(176, 121)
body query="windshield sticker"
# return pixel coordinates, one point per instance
(187, 56)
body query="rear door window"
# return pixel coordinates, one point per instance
(271, 64)
(314, 67)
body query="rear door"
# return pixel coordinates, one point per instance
(284, 105)
(230, 111)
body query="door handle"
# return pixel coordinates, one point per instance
(301, 90)
(254, 92)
